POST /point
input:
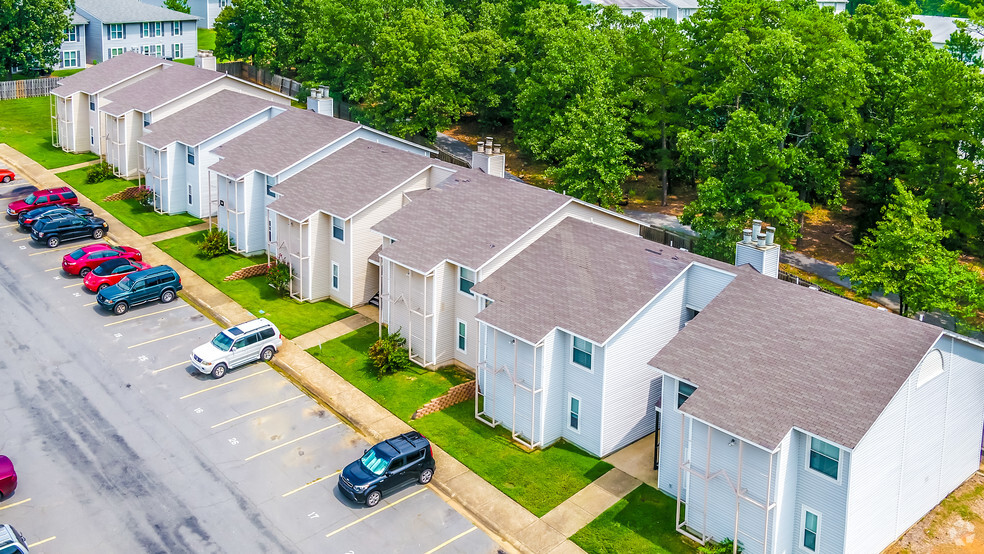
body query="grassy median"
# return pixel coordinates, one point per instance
(640, 522)
(25, 124)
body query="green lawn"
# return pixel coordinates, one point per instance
(66, 72)
(643, 521)
(206, 39)
(401, 393)
(135, 216)
(292, 317)
(186, 61)
(25, 124)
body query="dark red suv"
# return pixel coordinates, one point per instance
(61, 196)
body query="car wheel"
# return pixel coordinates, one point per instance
(53, 242)
(121, 307)
(267, 354)
(84, 271)
(425, 476)
(218, 371)
(167, 296)
(102, 286)
(373, 498)
(97, 234)
(6, 178)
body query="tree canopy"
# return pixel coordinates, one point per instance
(31, 32)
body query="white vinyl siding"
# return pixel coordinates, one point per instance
(703, 284)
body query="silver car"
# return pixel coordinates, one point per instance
(247, 342)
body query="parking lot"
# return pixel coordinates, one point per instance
(122, 446)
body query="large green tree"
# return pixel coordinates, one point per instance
(264, 32)
(177, 5)
(905, 255)
(31, 32)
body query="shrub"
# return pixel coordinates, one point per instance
(279, 276)
(726, 546)
(388, 355)
(145, 197)
(98, 173)
(214, 243)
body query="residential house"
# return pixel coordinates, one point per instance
(799, 422)
(207, 11)
(449, 238)
(567, 328)
(251, 164)
(77, 99)
(322, 217)
(941, 28)
(678, 10)
(837, 5)
(177, 150)
(648, 8)
(178, 86)
(118, 26)
(71, 53)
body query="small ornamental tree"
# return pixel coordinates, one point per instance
(98, 173)
(388, 355)
(278, 275)
(214, 243)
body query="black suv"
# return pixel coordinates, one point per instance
(386, 466)
(29, 218)
(54, 231)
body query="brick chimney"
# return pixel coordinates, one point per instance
(759, 250)
(205, 60)
(489, 158)
(320, 102)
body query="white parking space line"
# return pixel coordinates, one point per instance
(261, 372)
(230, 420)
(73, 285)
(363, 518)
(283, 444)
(145, 315)
(316, 481)
(50, 250)
(49, 539)
(156, 371)
(174, 335)
(14, 504)
(449, 541)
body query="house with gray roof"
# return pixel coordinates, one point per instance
(71, 52)
(322, 217)
(940, 28)
(118, 26)
(453, 236)
(252, 164)
(801, 422)
(177, 150)
(648, 8)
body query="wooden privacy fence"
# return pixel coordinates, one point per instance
(669, 238)
(262, 77)
(28, 88)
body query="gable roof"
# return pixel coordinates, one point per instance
(205, 119)
(348, 180)
(76, 19)
(129, 11)
(469, 219)
(767, 356)
(106, 74)
(941, 27)
(173, 82)
(611, 274)
(280, 143)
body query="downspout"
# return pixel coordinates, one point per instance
(741, 447)
(768, 498)
(683, 428)
(533, 413)
(707, 478)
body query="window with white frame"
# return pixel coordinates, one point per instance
(334, 275)
(811, 529)
(71, 34)
(270, 182)
(151, 29)
(824, 457)
(117, 32)
(113, 52)
(338, 228)
(462, 336)
(191, 156)
(684, 390)
(581, 352)
(176, 50)
(70, 59)
(146, 119)
(190, 198)
(176, 28)
(92, 136)
(466, 280)
(574, 413)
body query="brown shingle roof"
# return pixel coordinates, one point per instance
(173, 82)
(468, 220)
(205, 119)
(582, 277)
(348, 180)
(767, 356)
(280, 143)
(106, 74)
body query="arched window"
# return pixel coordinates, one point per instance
(931, 366)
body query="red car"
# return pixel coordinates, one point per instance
(85, 259)
(111, 272)
(7, 175)
(61, 196)
(8, 477)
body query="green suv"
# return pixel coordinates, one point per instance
(159, 282)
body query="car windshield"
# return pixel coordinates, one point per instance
(222, 341)
(77, 254)
(30, 199)
(125, 283)
(373, 462)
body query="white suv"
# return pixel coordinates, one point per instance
(242, 344)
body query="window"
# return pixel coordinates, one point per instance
(266, 333)
(92, 136)
(152, 29)
(92, 105)
(146, 119)
(176, 50)
(70, 59)
(338, 228)
(71, 34)
(191, 156)
(462, 335)
(683, 392)
(466, 280)
(334, 275)
(240, 343)
(811, 529)
(113, 52)
(270, 182)
(824, 457)
(574, 421)
(176, 28)
(581, 353)
(269, 230)
(116, 32)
